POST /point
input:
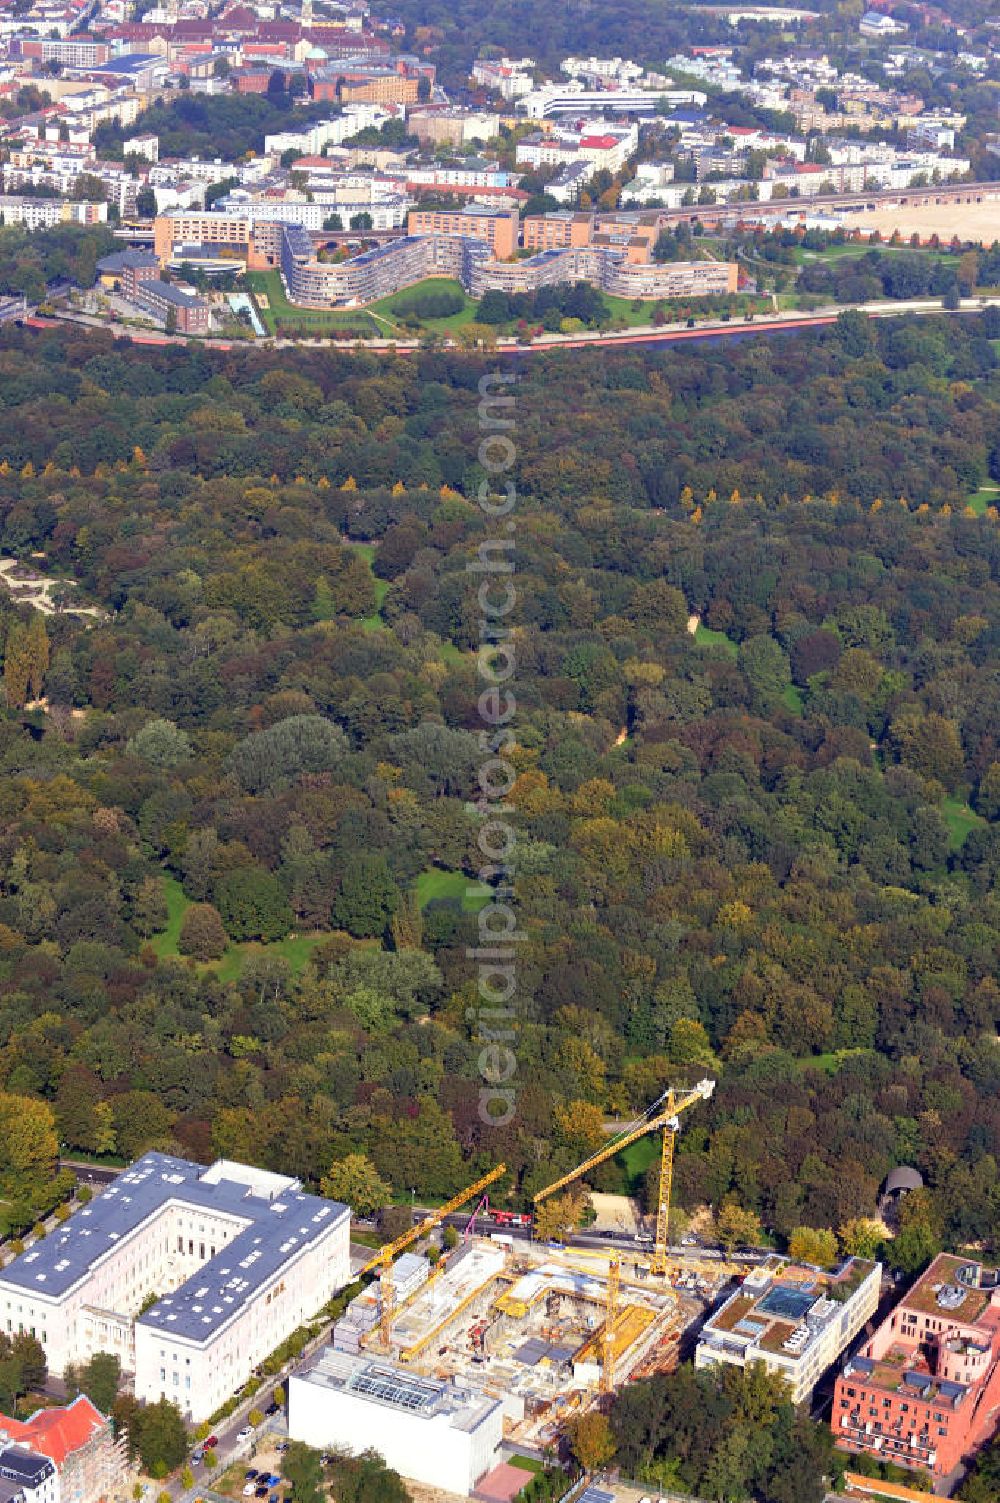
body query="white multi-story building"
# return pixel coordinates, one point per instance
(572, 99)
(445, 1434)
(237, 1258)
(508, 77)
(794, 1320)
(598, 143)
(43, 213)
(311, 140)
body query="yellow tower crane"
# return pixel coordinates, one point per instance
(610, 1319)
(383, 1258)
(664, 1113)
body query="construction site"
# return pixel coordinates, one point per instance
(544, 1328)
(529, 1325)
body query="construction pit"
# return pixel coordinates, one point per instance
(526, 1323)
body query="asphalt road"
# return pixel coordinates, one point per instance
(90, 1174)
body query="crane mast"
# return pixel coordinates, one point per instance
(610, 1320)
(663, 1115)
(382, 1260)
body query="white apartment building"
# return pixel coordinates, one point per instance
(237, 1257)
(43, 213)
(385, 202)
(508, 77)
(311, 140)
(27, 1477)
(600, 144)
(795, 1320)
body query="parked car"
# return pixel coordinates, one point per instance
(197, 1455)
(245, 1433)
(273, 1409)
(250, 1474)
(249, 1488)
(211, 1443)
(262, 1491)
(272, 1479)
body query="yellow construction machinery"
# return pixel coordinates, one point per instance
(382, 1260)
(664, 1113)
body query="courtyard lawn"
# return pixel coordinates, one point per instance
(306, 321)
(526, 1463)
(388, 307)
(435, 883)
(960, 819)
(641, 317)
(706, 637)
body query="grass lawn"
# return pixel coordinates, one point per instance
(388, 307)
(792, 699)
(374, 622)
(987, 495)
(642, 317)
(636, 1159)
(177, 905)
(527, 1463)
(706, 637)
(296, 949)
(449, 653)
(852, 248)
(436, 883)
(304, 320)
(830, 1062)
(960, 820)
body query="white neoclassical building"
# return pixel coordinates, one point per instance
(235, 1257)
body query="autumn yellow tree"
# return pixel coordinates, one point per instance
(29, 1146)
(559, 1217)
(590, 1440)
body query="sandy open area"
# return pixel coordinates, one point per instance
(978, 222)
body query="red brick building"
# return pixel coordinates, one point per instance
(924, 1392)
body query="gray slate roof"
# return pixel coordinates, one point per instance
(280, 1224)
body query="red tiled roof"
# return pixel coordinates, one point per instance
(57, 1432)
(601, 143)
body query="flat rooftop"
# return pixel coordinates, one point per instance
(279, 1220)
(955, 1288)
(460, 1406)
(784, 1313)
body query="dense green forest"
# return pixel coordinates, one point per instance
(238, 842)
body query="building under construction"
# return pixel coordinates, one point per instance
(529, 1325)
(542, 1330)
